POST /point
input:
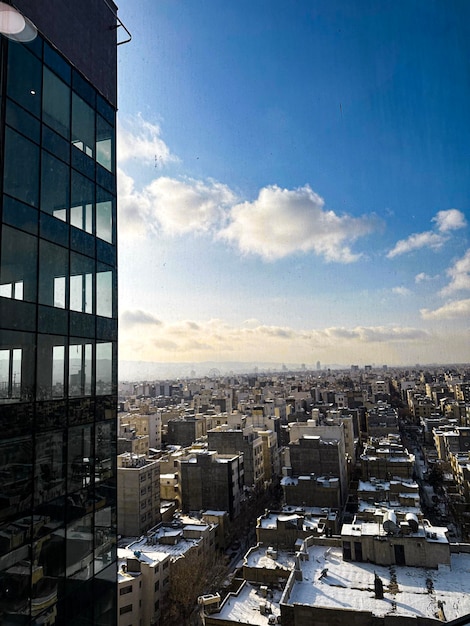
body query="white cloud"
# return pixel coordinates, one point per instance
(451, 310)
(459, 274)
(140, 141)
(370, 334)
(422, 277)
(281, 222)
(133, 318)
(215, 339)
(187, 206)
(401, 291)
(428, 239)
(173, 206)
(445, 221)
(453, 219)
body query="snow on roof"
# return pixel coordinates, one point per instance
(364, 506)
(198, 527)
(310, 515)
(244, 607)
(258, 557)
(436, 534)
(350, 585)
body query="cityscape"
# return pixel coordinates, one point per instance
(295, 497)
(234, 313)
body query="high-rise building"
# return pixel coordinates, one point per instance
(58, 317)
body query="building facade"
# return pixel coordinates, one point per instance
(58, 314)
(209, 480)
(138, 494)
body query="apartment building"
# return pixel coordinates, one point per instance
(386, 458)
(138, 484)
(227, 440)
(322, 456)
(209, 480)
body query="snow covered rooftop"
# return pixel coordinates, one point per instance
(249, 606)
(408, 591)
(310, 514)
(264, 558)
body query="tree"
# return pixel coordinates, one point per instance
(191, 575)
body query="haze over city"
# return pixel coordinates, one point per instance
(293, 183)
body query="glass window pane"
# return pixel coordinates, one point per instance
(53, 271)
(104, 215)
(10, 373)
(55, 186)
(17, 364)
(24, 78)
(22, 121)
(80, 369)
(50, 466)
(104, 293)
(104, 143)
(81, 283)
(20, 215)
(21, 174)
(57, 63)
(17, 273)
(104, 368)
(80, 457)
(56, 144)
(56, 103)
(83, 126)
(81, 213)
(51, 367)
(79, 548)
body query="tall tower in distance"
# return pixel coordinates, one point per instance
(318, 366)
(58, 313)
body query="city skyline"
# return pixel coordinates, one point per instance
(293, 182)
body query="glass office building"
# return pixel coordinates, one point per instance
(58, 317)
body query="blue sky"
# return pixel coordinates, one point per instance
(294, 181)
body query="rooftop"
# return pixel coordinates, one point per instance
(250, 605)
(268, 558)
(408, 591)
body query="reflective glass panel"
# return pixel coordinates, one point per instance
(104, 293)
(81, 213)
(81, 283)
(50, 466)
(22, 121)
(80, 461)
(83, 126)
(17, 366)
(104, 213)
(104, 368)
(24, 78)
(53, 271)
(80, 369)
(51, 367)
(21, 170)
(55, 186)
(56, 103)
(104, 143)
(17, 273)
